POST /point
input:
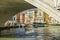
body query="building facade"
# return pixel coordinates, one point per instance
(31, 16)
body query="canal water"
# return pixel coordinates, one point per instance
(40, 33)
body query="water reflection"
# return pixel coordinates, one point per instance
(40, 33)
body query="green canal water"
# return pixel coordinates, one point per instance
(53, 29)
